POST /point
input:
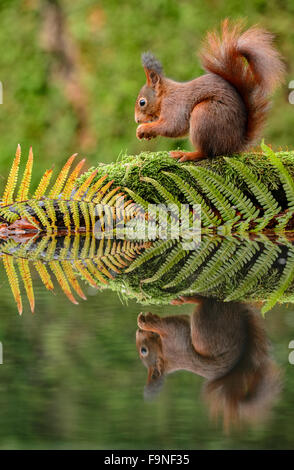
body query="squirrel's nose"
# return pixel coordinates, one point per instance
(137, 120)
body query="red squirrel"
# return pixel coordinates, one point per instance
(225, 343)
(222, 111)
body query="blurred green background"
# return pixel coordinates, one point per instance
(70, 73)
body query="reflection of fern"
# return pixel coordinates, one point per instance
(172, 259)
(234, 265)
(260, 268)
(157, 248)
(228, 268)
(225, 252)
(95, 265)
(194, 261)
(285, 281)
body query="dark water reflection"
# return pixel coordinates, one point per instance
(71, 376)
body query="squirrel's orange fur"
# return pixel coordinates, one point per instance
(222, 111)
(225, 343)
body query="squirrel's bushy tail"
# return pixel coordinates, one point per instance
(247, 392)
(249, 61)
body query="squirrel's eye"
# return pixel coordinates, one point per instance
(144, 351)
(142, 102)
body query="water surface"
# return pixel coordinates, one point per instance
(71, 378)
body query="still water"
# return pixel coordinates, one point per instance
(72, 377)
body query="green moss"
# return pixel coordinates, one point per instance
(128, 170)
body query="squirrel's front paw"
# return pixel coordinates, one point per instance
(144, 132)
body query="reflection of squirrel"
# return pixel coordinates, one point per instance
(223, 342)
(222, 111)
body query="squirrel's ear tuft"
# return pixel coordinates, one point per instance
(153, 68)
(150, 62)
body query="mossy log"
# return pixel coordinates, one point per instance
(251, 192)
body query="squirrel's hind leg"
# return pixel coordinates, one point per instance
(218, 128)
(184, 156)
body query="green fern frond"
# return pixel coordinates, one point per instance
(284, 282)
(106, 260)
(94, 270)
(260, 191)
(51, 248)
(102, 268)
(51, 214)
(285, 177)
(109, 195)
(116, 198)
(193, 197)
(85, 250)
(8, 215)
(41, 214)
(283, 220)
(85, 211)
(92, 214)
(75, 214)
(231, 191)
(74, 252)
(138, 199)
(166, 195)
(25, 248)
(40, 251)
(24, 213)
(221, 203)
(82, 269)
